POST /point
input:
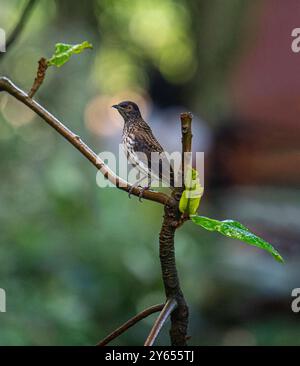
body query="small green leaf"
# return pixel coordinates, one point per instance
(64, 51)
(190, 200)
(235, 230)
(191, 196)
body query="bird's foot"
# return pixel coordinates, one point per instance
(143, 189)
(142, 192)
(130, 190)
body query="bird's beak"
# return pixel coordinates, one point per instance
(116, 106)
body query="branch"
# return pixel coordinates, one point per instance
(169, 306)
(75, 140)
(40, 76)
(172, 220)
(130, 323)
(186, 140)
(186, 130)
(179, 317)
(21, 23)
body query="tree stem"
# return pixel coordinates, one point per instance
(179, 317)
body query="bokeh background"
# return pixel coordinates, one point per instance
(76, 260)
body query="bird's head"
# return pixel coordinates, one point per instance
(128, 110)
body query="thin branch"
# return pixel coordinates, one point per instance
(186, 139)
(40, 76)
(21, 23)
(170, 305)
(75, 140)
(130, 323)
(186, 130)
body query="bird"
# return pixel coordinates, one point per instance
(137, 138)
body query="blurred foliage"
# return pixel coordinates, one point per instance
(149, 31)
(77, 260)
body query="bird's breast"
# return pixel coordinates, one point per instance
(134, 157)
(128, 144)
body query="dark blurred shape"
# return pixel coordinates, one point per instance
(259, 143)
(253, 153)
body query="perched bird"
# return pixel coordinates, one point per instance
(138, 138)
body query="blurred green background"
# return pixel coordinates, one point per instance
(75, 260)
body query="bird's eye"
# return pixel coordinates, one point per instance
(129, 107)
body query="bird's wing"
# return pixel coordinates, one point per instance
(143, 144)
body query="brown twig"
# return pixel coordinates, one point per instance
(169, 306)
(130, 323)
(75, 140)
(186, 130)
(20, 25)
(40, 76)
(186, 140)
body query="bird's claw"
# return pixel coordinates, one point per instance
(143, 189)
(142, 192)
(130, 191)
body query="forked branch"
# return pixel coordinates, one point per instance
(130, 323)
(169, 306)
(177, 307)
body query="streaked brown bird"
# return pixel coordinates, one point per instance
(138, 138)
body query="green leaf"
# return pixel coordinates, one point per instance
(64, 51)
(190, 200)
(235, 230)
(191, 196)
